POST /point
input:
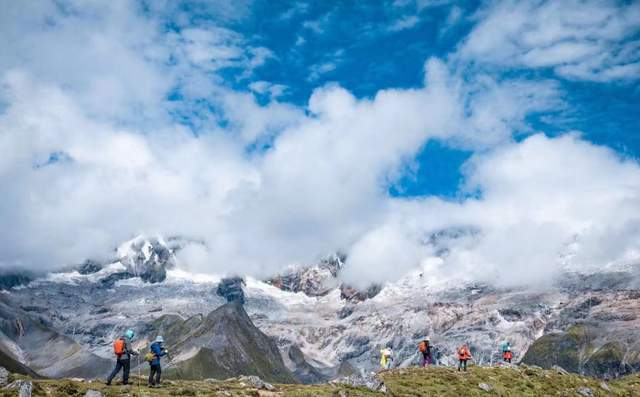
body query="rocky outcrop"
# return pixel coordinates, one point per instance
(225, 343)
(4, 376)
(303, 371)
(89, 267)
(315, 280)
(354, 295)
(147, 258)
(10, 279)
(588, 349)
(23, 387)
(231, 289)
(28, 345)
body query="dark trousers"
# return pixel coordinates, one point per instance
(157, 371)
(426, 359)
(123, 364)
(462, 364)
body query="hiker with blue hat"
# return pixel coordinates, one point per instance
(156, 350)
(123, 351)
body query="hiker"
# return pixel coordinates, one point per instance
(123, 351)
(425, 348)
(463, 356)
(156, 350)
(386, 357)
(507, 355)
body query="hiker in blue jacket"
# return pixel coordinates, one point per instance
(158, 350)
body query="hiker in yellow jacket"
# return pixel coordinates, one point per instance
(386, 358)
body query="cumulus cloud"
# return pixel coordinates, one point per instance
(578, 40)
(171, 149)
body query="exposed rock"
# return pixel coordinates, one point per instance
(50, 353)
(225, 343)
(315, 280)
(370, 381)
(301, 368)
(354, 295)
(587, 348)
(4, 376)
(147, 258)
(511, 314)
(585, 391)
(24, 387)
(346, 311)
(110, 280)
(486, 387)
(9, 280)
(256, 382)
(559, 370)
(89, 267)
(231, 289)
(605, 386)
(559, 349)
(93, 393)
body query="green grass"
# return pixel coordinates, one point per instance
(435, 381)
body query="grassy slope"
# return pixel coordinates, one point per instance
(523, 381)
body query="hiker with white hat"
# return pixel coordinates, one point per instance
(156, 350)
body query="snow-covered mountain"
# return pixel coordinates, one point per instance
(320, 331)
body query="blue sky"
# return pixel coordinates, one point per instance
(365, 47)
(275, 133)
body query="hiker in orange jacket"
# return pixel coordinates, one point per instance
(507, 356)
(463, 356)
(123, 351)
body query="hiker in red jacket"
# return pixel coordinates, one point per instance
(507, 356)
(463, 356)
(123, 351)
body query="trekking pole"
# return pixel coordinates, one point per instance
(138, 360)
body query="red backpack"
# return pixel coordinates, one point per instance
(119, 347)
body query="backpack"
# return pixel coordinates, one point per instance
(119, 347)
(149, 357)
(422, 346)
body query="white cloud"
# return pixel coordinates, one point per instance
(320, 186)
(264, 87)
(538, 198)
(317, 70)
(406, 22)
(579, 40)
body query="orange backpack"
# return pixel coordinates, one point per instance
(119, 347)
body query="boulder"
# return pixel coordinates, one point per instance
(93, 393)
(256, 382)
(370, 381)
(486, 387)
(4, 376)
(585, 391)
(559, 370)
